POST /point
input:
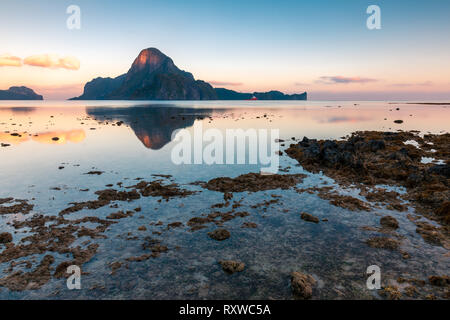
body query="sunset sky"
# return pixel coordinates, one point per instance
(322, 47)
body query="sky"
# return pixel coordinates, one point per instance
(323, 47)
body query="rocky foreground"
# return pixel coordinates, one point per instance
(372, 158)
(367, 161)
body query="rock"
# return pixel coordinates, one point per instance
(444, 212)
(5, 237)
(376, 145)
(95, 172)
(227, 196)
(219, 234)
(441, 169)
(253, 182)
(176, 224)
(309, 217)
(383, 243)
(389, 222)
(439, 281)
(429, 233)
(391, 292)
(231, 266)
(249, 225)
(115, 266)
(302, 284)
(119, 215)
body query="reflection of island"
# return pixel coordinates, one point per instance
(152, 124)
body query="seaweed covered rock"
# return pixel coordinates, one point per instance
(383, 243)
(231, 266)
(309, 217)
(219, 234)
(253, 182)
(389, 222)
(302, 284)
(5, 237)
(371, 158)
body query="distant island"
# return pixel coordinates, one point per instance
(154, 76)
(19, 93)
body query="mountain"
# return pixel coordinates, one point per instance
(154, 76)
(226, 94)
(100, 88)
(19, 93)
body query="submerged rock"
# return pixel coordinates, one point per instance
(251, 225)
(383, 243)
(429, 233)
(391, 293)
(219, 234)
(232, 266)
(5, 237)
(389, 222)
(439, 281)
(309, 217)
(302, 284)
(253, 182)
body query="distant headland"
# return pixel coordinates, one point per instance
(154, 76)
(19, 93)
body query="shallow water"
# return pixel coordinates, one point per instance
(334, 252)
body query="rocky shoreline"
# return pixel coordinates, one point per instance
(368, 161)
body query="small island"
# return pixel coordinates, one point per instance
(19, 93)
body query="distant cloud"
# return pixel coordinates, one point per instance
(420, 84)
(10, 61)
(301, 84)
(344, 80)
(52, 61)
(224, 83)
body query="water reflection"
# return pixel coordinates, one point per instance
(152, 124)
(51, 137)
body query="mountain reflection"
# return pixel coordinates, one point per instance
(152, 124)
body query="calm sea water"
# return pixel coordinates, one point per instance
(334, 252)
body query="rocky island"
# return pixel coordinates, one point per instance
(154, 76)
(19, 93)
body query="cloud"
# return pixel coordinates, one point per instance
(344, 80)
(10, 61)
(224, 83)
(52, 61)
